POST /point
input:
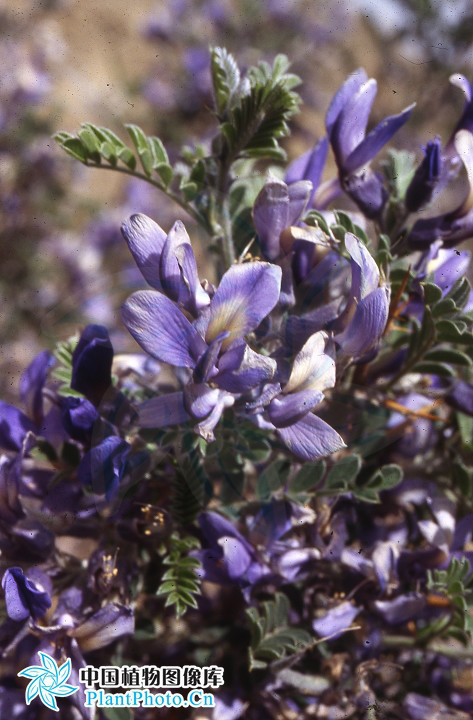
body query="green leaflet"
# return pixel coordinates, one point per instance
(271, 637)
(181, 582)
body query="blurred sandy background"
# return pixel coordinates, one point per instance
(98, 60)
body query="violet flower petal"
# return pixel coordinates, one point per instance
(313, 368)
(246, 294)
(375, 140)
(23, 597)
(336, 620)
(287, 409)
(105, 626)
(14, 426)
(78, 418)
(401, 609)
(163, 411)
(252, 370)
(349, 88)
(299, 193)
(92, 363)
(367, 325)
(161, 329)
(364, 271)
(309, 166)
(350, 126)
(104, 466)
(32, 382)
(146, 240)
(270, 215)
(311, 438)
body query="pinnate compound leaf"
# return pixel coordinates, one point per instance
(271, 637)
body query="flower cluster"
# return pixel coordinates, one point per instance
(290, 451)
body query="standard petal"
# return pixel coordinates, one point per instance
(246, 295)
(311, 438)
(287, 409)
(351, 86)
(161, 329)
(146, 240)
(350, 127)
(270, 215)
(312, 369)
(375, 140)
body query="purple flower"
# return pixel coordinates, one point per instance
(346, 121)
(277, 207)
(212, 347)
(23, 597)
(288, 409)
(92, 363)
(167, 262)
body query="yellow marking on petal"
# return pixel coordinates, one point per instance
(229, 317)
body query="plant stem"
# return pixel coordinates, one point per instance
(170, 194)
(225, 235)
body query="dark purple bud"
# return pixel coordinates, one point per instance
(78, 418)
(104, 466)
(14, 425)
(426, 177)
(23, 597)
(92, 363)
